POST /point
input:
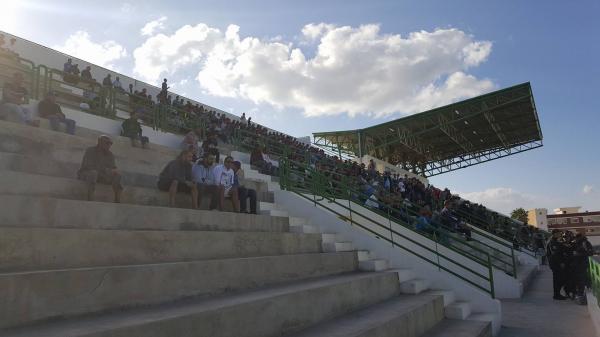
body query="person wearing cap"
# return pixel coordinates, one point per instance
(243, 192)
(132, 129)
(47, 108)
(203, 175)
(98, 166)
(556, 259)
(177, 177)
(14, 97)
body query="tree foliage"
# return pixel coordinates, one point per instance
(519, 214)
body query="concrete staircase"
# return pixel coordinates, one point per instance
(70, 267)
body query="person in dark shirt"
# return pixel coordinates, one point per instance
(177, 177)
(556, 252)
(47, 108)
(133, 130)
(87, 73)
(107, 81)
(98, 166)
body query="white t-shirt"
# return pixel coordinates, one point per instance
(223, 176)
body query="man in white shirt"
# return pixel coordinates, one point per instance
(203, 174)
(224, 179)
(117, 84)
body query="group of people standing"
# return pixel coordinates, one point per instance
(568, 256)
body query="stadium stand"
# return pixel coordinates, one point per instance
(152, 270)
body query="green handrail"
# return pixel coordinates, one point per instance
(319, 197)
(594, 271)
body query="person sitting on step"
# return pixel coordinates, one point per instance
(98, 166)
(14, 97)
(47, 108)
(177, 177)
(203, 175)
(224, 178)
(243, 192)
(132, 129)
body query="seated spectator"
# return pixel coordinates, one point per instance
(132, 129)
(47, 108)
(98, 166)
(117, 84)
(13, 102)
(203, 174)
(177, 177)
(75, 70)
(453, 222)
(243, 192)
(257, 158)
(224, 179)
(107, 81)
(86, 73)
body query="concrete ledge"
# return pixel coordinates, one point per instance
(61, 169)
(458, 328)
(31, 211)
(19, 183)
(49, 248)
(404, 316)
(286, 309)
(31, 296)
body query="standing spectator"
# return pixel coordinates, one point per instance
(117, 84)
(243, 192)
(243, 118)
(130, 89)
(13, 102)
(47, 108)
(133, 130)
(164, 87)
(107, 81)
(86, 73)
(98, 166)
(12, 46)
(67, 66)
(177, 177)
(203, 174)
(249, 121)
(224, 179)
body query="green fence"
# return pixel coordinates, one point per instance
(594, 271)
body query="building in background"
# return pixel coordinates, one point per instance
(568, 218)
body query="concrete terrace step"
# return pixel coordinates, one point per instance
(414, 286)
(286, 308)
(51, 248)
(31, 296)
(18, 183)
(31, 164)
(32, 211)
(460, 328)
(403, 316)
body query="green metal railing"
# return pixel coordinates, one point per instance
(103, 100)
(313, 186)
(594, 271)
(504, 260)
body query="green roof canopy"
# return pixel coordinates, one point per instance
(448, 138)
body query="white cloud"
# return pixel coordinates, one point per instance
(504, 199)
(355, 70)
(153, 26)
(104, 54)
(588, 189)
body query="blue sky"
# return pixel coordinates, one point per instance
(552, 44)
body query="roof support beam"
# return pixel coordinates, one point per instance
(454, 134)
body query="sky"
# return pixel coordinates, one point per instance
(306, 66)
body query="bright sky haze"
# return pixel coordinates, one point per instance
(306, 66)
